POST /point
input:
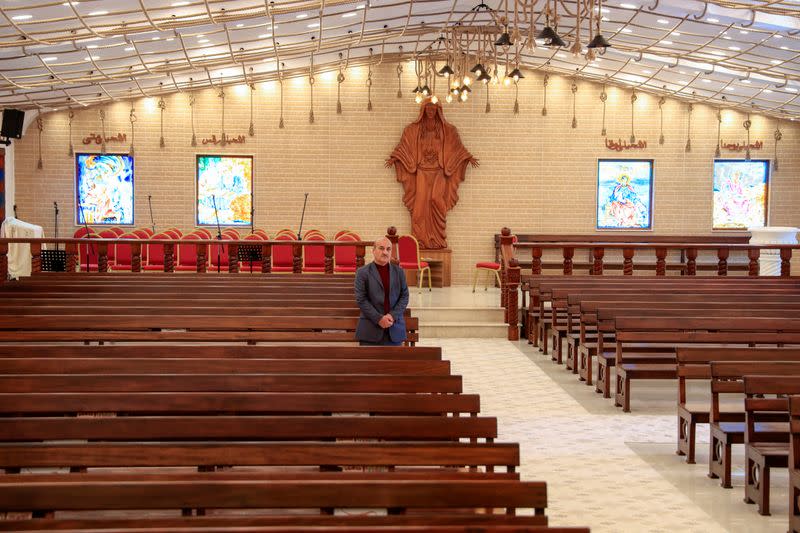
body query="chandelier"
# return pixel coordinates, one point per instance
(486, 47)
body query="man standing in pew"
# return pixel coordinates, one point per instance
(382, 295)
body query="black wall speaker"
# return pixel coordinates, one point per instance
(12, 123)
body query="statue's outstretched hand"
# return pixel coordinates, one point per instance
(390, 162)
(474, 162)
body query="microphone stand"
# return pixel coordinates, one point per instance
(152, 222)
(86, 226)
(15, 211)
(302, 216)
(252, 220)
(55, 207)
(219, 232)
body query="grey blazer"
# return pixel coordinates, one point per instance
(369, 296)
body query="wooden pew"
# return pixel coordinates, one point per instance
(669, 331)
(695, 364)
(182, 328)
(765, 450)
(727, 378)
(794, 464)
(173, 351)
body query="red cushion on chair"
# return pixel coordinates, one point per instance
(413, 266)
(488, 264)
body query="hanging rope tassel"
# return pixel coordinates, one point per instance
(280, 81)
(633, 101)
(311, 82)
(103, 131)
(132, 118)
(717, 152)
(661, 102)
(400, 76)
(369, 82)
(162, 105)
(488, 105)
(689, 130)
(603, 98)
(40, 127)
(252, 130)
(221, 94)
(71, 148)
(574, 89)
(544, 106)
(516, 98)
(778, 136)
(339, 80)
(191, 108)
(747, 123)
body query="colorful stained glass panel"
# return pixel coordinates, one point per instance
(740, 194)
(224, 182)
(624, 194)
(104, 189)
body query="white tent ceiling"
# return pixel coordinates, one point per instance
(57, 53)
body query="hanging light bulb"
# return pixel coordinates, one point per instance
(448, 98)
(435, 99)
(464, 96)
(495, 79)
(418, 98)
(426, 90)
(485, 78)
(467, 80)
(477, 69)
(446, 71)
(516, 75)
(507, 80)
(455, 91)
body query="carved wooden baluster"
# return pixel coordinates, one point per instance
(360, 251)
(169, 257)
(233, 258)
(72, 257)
(753, 266)
(568, 254)
(391, 234)
(202, 258)
(136, 257)
(3, 262)
(722, 264)
(266, 258)
(786, 265)
(597, 267)
(536, 260)
(297, 258)
(102, 257)
(661, 261)
(506, 254)
(627, 261)
(512, 312)
(691, 261)
(329, 259)
(36, 257)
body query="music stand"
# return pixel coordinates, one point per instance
(54, 260)
(250, 253)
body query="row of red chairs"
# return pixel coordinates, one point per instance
(120, 256)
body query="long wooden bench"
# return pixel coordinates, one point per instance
(194, 351)
(182, 328)
(794, 464)
(765, 450)
(695, 364)
(669, 331)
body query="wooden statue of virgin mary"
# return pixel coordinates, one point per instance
(430, 162)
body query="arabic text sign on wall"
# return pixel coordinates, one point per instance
(740, 147)
(620, 145)
(224, 139)
(98, 139)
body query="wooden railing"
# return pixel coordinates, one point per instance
(511, 251)
(70, 246)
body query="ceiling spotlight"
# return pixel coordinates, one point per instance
(484, 77)
(426, 90)
(504, 39)
(477, 69)
(516, 75)
(465, 89)
(599, 42)
(550, 37)
(446, 71)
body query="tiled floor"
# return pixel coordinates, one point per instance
(611, 471)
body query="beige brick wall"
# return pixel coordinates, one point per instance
(537, 174)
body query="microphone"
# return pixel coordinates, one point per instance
(55, 208)
(302, 216)
(152, 222)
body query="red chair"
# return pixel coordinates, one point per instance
(143, 234)
(111, 250)
(148, 231)
(204, 233)
(234, 235)
(313, 255)
(124, 253)
(218, 254)
(263, 233)
(408, 253)
(174, 233)
(488, 267)
(88, 253)
(282, 255)
(344, 257)
(81, 232)
(155, 259)
(340, 233)
(118, 231)
(187, 253)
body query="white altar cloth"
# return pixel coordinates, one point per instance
(19, 255)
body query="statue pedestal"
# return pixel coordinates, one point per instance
(440, 262)
(769, 261)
